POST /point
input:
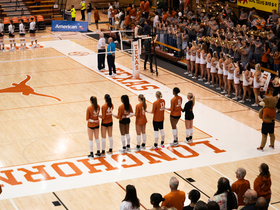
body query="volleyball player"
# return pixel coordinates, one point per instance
(141, 122)
(32, 30)
(188, 109)
(11, 29)
(22, 35)
(93, 126)
(158, 119)
(107, 124)
(231, 68)
(175, 114)
(2, 47)
(124, 113)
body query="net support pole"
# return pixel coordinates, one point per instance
(136, 52)
(120, 35)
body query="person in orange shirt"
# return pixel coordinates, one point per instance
(107, 124)
(262, 183)
(127, 20)
(142, 4)
(124, 113)
(93, 126)
(175, 114)
(147, 9)
(175, 198)
(141, 122)
(188, 109)
(165, 16)
(96, 18)
(132, 13)
(158, 119)
(138, 15)
(240, 186)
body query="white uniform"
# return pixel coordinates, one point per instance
(256, 84)
(32, 26)
(245, 82)
(11, 29)
(188, 56)
(21, 29)
(1, 27)
(225, 70)
(193, 56)
(208, 66)
(202, 61)
(197, 58)
(213, 68)
(220, 70)
(231, 75)
(236, 79)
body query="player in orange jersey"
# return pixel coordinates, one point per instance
(93, 126)
(175, 114)
(107, 124)
(124, 113)
(158, 119)
(141, 122)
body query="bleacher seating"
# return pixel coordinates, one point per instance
(16, 23)
(6, 23)
(41, 23)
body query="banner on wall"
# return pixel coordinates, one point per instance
(136, 59)
(61, 25)
(263, 5)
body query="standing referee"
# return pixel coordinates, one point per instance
(101, 52)
(111, 56)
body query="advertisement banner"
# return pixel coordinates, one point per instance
(61, 25)
(264, 80)
(136, 59)
(263, 5)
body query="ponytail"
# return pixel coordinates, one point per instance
(143, 99)
(192, 97)
(159, 94)
(125, 101)
(108, 100)
(93, 100)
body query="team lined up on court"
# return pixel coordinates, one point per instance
(22, 32)
(125, 112)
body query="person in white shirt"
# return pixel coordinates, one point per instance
(130, 202)
(156, 19)
(22, 35)
(110, 9)
(11, 28)
(2, 47)
(32, 30)
(101, 52)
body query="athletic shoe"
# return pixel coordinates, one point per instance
(103, 155)
(238, 97)
(186, 141)
(223, 92)
(207, 83)
(90, 155)
(137, 149)
(227, 95)
(254, 104)
(186, 72)
(11, 49)
(199, 76)
(174, 144)
(218, 88)
(36, 46)
(114, 74)
(204, 79)
(211, 85)
(190, 74)
(102, 70)
(109, 152)
(122, 151)
(142, 148)
(200, 79)
(248, 100)
(260, 148)
(162, 146)
(98, 155)
(128, 149)
(194, 77)
(241, 102)
(272, 147)
(235, 98)
(155, 148)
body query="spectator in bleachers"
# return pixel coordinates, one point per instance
(265, 55)
(89, 9)
(146, 29)
(194, 196)
(142, 5)
(147, 8)
(116, 4)
(241, 185)
(155, 200)
(212, 205)
(159, 7)
(261, 203)
(224, 195)
(175, 198)
(73, 13)
(127, 21)
(83, 9)
(262, 183)
(201, 205)
(133, 13)
(96, 18)
(110, 9)
(131, 201)
(250, 199)
(251, 16)
(273, 18)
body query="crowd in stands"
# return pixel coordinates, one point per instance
(218, 46)
(227, 197)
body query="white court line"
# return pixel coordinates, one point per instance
(14, 204)
(232, 181)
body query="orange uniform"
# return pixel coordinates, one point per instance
(165, 16)
(133, 12)
(262, 185)
(107, 114)
(147, 6)
(122, 113)
(174, 199)
(128, 9)
(138, 16)
(269, 112)
(176, 103)
(96, 15)
(142, 4)
(127, 20)
(158, 110)
(140, 115)
(93, 115)
(240, 187)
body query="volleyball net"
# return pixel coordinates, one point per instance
(60, 45)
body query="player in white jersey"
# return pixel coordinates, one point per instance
(11, 28)
(2, 48)
(22, 35)
(32, 30)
